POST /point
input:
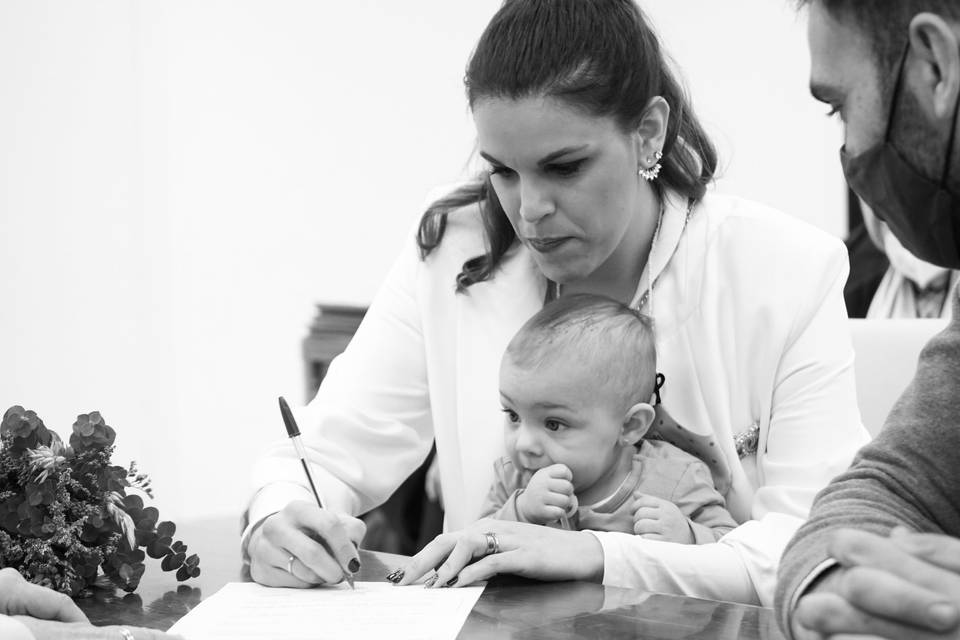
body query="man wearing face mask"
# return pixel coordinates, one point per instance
(910, 287)
(880, 555)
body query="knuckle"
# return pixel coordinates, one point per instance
(314, 556)
(855, 584)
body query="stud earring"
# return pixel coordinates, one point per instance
(651, 174)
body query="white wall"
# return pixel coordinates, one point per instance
(181, 180)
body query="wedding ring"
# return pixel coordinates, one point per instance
(125, 633)
(290, 565)
(493, 543)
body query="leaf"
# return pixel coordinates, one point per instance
(126, 572)
(166, 528)
(148, 519)
(132, 502)
(172, 561)
(159, 547)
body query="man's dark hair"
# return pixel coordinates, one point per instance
(885, 24)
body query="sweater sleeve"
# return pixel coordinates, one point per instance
(906, 476)
(703, 505)
(369, 425)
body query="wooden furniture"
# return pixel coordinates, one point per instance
(510, 607)
(331, 330)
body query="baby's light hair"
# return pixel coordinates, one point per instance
(613, 341)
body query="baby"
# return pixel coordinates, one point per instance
(575, 384)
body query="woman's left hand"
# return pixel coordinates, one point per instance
(463, 557)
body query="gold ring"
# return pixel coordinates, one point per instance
(493, 543)
(125, 633)
(290, 565)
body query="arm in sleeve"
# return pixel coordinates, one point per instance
(906, 476)
(369, 425)
(501, 500)
(703, 505)
(814, 430)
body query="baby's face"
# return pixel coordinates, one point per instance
(557, 414)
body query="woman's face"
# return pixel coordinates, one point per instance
(568, 183)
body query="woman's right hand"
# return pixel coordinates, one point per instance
(304, 546)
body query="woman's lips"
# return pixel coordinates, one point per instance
(546, 245)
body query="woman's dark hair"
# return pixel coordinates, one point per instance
(601, 56)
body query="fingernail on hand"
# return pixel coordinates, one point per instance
(429, 583)
(943, 614)
(452, 581)
(354, 565)
(395, 576)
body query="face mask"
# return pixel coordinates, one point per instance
(923, 214)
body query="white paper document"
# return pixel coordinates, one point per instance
(246, 610)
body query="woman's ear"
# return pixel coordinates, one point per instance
(652, 132)
(636, 423)
(934, 43)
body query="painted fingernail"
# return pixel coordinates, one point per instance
(944, 614)
(452, 581)
(429, 583)
(395, 576)
(354, 565)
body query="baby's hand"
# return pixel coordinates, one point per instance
(658, 519)
(548, 495)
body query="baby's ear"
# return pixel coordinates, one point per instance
(637, 422)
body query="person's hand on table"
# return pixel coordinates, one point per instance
(303, 546)
(548, 495)
(54, 630)
(50, 615)
(464, 557)
(19, 597)
(904, 586)
(658, 519)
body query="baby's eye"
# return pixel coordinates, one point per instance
(553, 425)
(512, 415)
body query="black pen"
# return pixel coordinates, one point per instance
(294, 432)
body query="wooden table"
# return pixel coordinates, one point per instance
(510, 607)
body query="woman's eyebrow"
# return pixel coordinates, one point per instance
(547, 159)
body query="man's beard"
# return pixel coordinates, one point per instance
(924, 143)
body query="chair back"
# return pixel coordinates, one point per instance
(886, 353)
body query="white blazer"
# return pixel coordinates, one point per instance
(751, 329)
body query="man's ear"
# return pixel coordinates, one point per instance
(937, 49)
(652, 131)
(636, 423)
